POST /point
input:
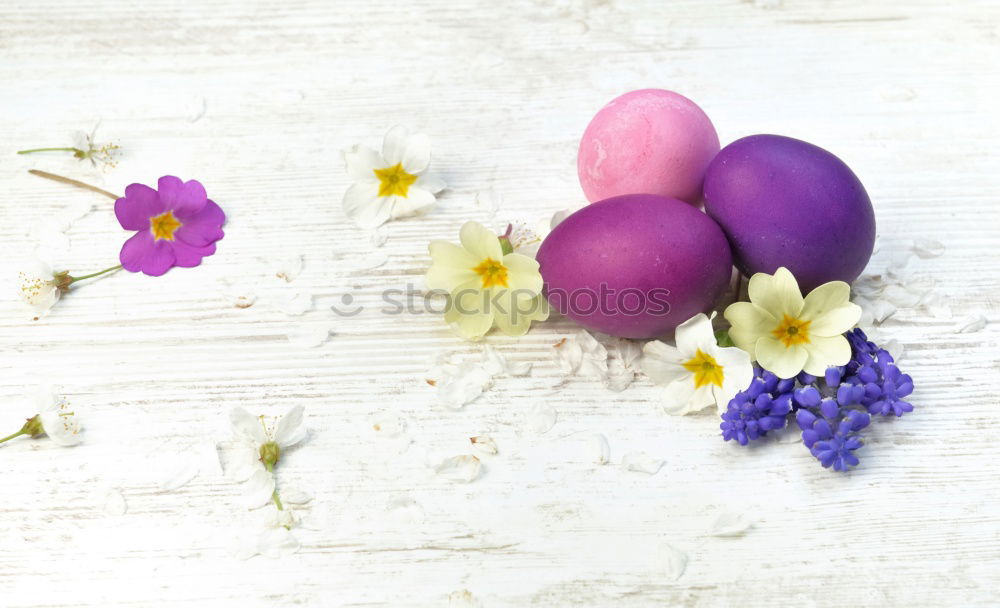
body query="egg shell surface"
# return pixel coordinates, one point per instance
(785, 202)
(635, 266)
(650, 141)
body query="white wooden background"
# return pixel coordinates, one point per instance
(256, 99)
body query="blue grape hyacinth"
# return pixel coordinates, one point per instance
(831, 410)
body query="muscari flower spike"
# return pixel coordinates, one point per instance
(830, 410)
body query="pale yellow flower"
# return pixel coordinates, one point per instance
(486, 286)
(786, 333)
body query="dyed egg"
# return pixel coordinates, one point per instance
(635, 266)
(649, 141)
(785, 202)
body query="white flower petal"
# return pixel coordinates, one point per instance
(730, 524)
(928, 248)
(600, 448)
(182, 473)
(541, 418)
(480, 241)
(60, 424)
(243, 461)
(484, 445)
(971, 324)
(681, 397)
(774, 356)
(662, 363)
(463, 385)
(258, 489)
(36, 289)
(825, 351)
(641, 462)
(777, 294)
(431, 183)
(693, 335)
(287, 267)
(290, 429)
(361, 162)
(297, 304)
(672, 562)
(465, 468)
(737, 374)
(829, 310)
(394, 144)
(471, 325)
(294, 496)
(277, 542)
(365, 207)
(417, 155)
(247, 426)
(416, 201)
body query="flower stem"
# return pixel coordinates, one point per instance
(17, 434)
(73, 150)
(95, 274)
(277, 501)
(72, 182)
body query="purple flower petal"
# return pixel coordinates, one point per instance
(138, 205)
(202, 228)
(142, 253)
(188, 256)
(184, 198)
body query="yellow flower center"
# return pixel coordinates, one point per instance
(164, 226)
(492, 273)
(394, 181)
(792, 331)
(705, 368)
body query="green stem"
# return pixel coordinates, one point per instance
(72, 182)
(95, 274)
(74, 150)
(277, 501)
(17, 434)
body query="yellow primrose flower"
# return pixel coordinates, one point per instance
(487, 286)
(787, 333)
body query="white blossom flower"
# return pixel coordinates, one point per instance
(59, 423)
(392, 184)
(487, 285)
(259, 448)
(787, 333)
(697, 372)
(38, 287)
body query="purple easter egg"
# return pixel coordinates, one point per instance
(785, 202)
(635, 266)
(652, 141)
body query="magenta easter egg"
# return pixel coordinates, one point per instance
(635, 266)
(649, 141)
(785, 202)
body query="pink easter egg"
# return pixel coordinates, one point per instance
(649, 141)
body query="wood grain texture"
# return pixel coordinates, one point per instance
(256, 99)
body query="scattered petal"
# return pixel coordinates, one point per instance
(971, 324)
(277, 542)
(378, 236)
(581, 355)
(601, 449)
(484, 444)
(928, 248)
(464, 468)
(463, 599)
(387, 424)
(730, 524)
(114, 503)
(181, 475)
(405, 510)
(641, 462)
(541, 418)
(672, 562)
(294, 496)
(297, 304)
(309, 336)
(287, 268)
